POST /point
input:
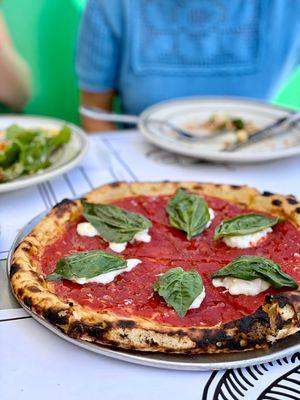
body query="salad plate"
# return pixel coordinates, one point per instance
(65, 156)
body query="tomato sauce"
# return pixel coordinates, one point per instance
(131, 293)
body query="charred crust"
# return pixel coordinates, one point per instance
(246, 324)
(282, 302)
(178, 332)
(151, 342)
(267, 194)
(287, 298)
(197, 187)
(220, 336)
(244, 333)
(33, 289)
(27, 301)
(62, 207)
(210, 337)
(220, 340)
(123, 335)
(27, 242)
(115, 184)
(297, 210)
(279, 298)
(280, 322)
(243, 344)
(56, 317)
(97, 331)
(293, 297)
(76, 329)
(63, 203)
(14, 269)
(233, 343)
(126, 324)
(26, 248)
(292, 201)
(235, 187)
(276, 202)
(20, 292)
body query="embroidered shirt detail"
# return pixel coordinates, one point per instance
(203, 36)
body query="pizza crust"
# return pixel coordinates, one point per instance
(278, 318)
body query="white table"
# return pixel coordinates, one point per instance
(35, 364)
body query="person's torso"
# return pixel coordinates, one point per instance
(176, 48)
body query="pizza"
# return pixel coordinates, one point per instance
(176, 267)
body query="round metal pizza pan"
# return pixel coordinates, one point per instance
(201, 362)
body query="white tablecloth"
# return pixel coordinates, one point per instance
(35, 364)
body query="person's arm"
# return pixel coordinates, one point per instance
(101, 100)
(15, 78)
(97, 62)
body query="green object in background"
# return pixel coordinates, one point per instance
(289, 95)
(45, 33)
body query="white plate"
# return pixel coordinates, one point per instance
(62, 161)
(198, 109)
(199, 362)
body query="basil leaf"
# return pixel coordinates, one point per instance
(188, 212)
(86, 264)
(179, 288)
(244, 224)
(113, 223)
(253, 267)
(54, 277)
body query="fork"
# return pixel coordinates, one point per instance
(101, 115)
(274, 129)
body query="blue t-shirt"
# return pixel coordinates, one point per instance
(154, 50)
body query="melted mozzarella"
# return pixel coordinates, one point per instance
(245, 241)
(117, 247)
(198, 300)
(237, 286)
(212, 216)
(86, 229)
(142, 236)
(109, 276)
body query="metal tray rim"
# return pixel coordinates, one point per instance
(162, 360)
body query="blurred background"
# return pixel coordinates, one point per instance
(45, 33)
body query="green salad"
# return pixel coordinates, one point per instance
(27, 151)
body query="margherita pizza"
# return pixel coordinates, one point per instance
(176, 267)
